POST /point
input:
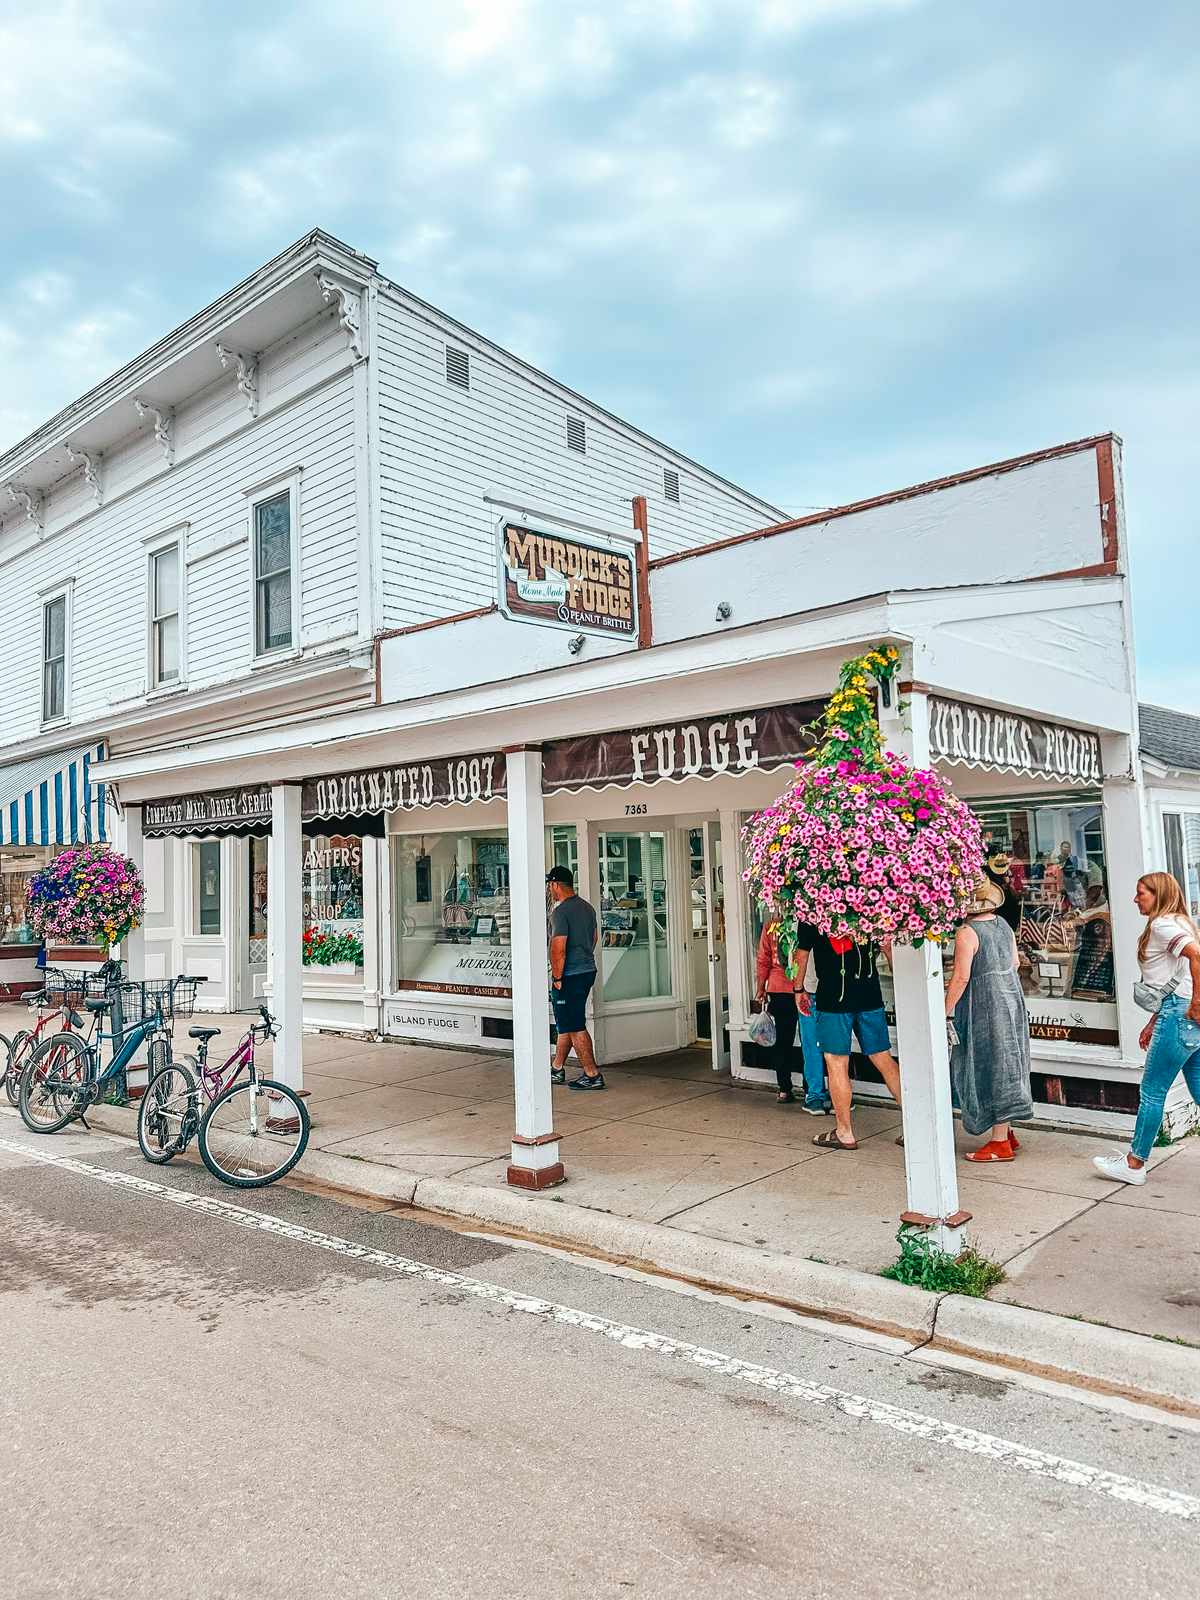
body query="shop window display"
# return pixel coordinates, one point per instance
(452, 912)
(635, 955)
(1052, 855)
(333, 900)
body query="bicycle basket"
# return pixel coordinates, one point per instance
(174, 997)
(64, 988)
(183, 996)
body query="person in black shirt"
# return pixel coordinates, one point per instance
(849, 1002)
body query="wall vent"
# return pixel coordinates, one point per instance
(671, 484)
(576, 435)
(458, 368)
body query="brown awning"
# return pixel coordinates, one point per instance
(358, 802)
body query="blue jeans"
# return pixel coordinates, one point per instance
(1175, 1048)
(815, 1092)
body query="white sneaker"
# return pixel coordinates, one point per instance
(1118, 1169)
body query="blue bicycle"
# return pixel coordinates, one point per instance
(64, 1076)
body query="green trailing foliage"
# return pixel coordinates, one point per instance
(925, 1266)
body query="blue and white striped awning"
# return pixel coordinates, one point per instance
(53, 800)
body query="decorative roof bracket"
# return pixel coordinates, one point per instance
(164, 426)
(349, 302)
(247, 374)
(31, 502)
(92, 462)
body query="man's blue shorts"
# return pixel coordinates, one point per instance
(569, 1003)
(835, 1028)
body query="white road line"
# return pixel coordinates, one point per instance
(1133, 1491)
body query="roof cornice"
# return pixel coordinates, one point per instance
(316, 251)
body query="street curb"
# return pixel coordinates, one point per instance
(1107, 1360)
(1085, 1355)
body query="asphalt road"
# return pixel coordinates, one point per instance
(307, 1398)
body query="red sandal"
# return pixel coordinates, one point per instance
(994, 1150)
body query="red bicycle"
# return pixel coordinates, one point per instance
(55, 1014)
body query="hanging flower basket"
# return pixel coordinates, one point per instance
(87, 896)
(862, 845)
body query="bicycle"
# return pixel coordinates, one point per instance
(251, 1133)
(64, 1076)
(52, 1004)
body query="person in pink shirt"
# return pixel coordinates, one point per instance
(781, 995)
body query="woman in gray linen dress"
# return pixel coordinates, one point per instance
(990, 1062)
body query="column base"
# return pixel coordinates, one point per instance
(918, 1219)
(537, 1177)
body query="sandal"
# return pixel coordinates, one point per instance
(829, 1141)
(994, 1150)
(1014, 1142)
(785, 1098)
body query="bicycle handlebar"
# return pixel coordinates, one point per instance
(269, 1025)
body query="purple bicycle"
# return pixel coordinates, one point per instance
(251, 1132)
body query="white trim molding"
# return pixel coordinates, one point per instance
(92, 462)
(32, 502)
(349, 306)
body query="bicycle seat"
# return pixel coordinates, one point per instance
(97, 1005)
(203, 1033)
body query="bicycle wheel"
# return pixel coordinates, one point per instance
(6, 1056)
(57, 1083)
(19, 1051)
(251, 1136)
(169, 1113)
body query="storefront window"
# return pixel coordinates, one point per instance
(1058, 872)
(1181, 831)
(206, 886)
(452, 914)
(635, 955)
(16, 872)
(333, 900)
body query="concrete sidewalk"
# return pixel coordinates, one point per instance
(675, 1166)
(672, 1144)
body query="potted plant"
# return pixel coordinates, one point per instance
(863, 846)
(86, 901)
(334, 953)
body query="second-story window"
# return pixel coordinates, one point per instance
(273, 574)
(164, 616)
(54, 658)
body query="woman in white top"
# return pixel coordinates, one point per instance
(1168, 953)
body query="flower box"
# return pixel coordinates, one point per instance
(19, 971)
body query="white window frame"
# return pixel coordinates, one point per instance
(63, 591)
(155, 547)
(287, 483)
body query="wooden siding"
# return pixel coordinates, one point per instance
(306, 420)
(442, 448)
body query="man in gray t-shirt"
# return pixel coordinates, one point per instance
(572, 974)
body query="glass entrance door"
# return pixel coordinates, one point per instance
(708, 964)
(253, 930)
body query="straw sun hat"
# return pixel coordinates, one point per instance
(988, 898)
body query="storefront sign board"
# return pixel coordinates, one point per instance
(566, 580)
(375, 790)
(431, 1022)
(218, 810)
(702, 747)
(998, 741)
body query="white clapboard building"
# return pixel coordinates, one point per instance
(373, 623)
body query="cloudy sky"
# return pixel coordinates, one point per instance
(827, 247)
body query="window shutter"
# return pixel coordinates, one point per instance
(577, 435)
(458, 368)
(671, 484)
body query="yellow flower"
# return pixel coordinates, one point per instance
(906, 816)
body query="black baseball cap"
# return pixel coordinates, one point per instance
(562, 875)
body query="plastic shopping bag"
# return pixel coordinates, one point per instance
(762, 1029)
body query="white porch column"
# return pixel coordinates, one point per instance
(1126, 862)
(927, 1115)
(535, 1156)
(129, 842)
(285, 927)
